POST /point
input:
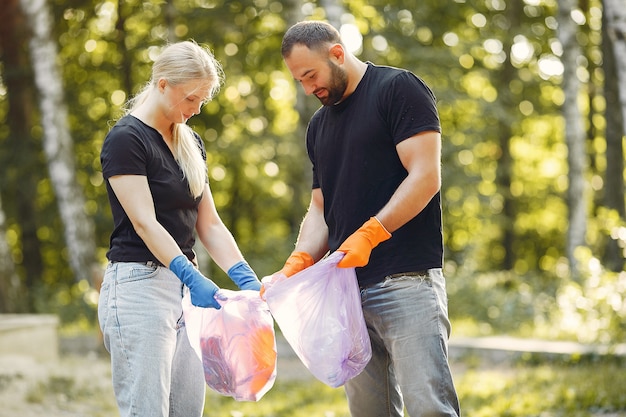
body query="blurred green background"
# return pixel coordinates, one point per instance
(533, 198)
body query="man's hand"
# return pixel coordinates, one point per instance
(358, 246)
(297, 262)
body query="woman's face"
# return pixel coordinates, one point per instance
(182, 101)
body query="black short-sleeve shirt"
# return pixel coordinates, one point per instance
(134, 148)
(352, 146)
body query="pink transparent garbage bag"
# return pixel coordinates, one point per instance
(319, 312)
(236, 344)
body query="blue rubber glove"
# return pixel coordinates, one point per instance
(244, 276)
(201, 288)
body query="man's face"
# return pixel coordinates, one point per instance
(318, 74)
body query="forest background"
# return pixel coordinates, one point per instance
(532, 100)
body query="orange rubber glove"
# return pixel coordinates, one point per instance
(358, 246)
(296, 262)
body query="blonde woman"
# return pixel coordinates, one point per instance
(156, 178)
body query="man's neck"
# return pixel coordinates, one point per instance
(356, 70)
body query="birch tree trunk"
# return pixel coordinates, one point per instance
(614, 66)
(57, 142)
(574, 133)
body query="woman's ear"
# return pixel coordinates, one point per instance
(161, 84)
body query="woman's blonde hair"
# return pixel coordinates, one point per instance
(180, 63)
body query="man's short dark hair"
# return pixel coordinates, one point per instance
(313, 34)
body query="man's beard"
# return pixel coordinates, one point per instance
(337, 87)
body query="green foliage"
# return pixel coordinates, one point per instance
(490, 101)
(504, 170)
(593, 311)
(74, 303)
(540, 305)
(554, 390)
(499, 302)
(544, 304)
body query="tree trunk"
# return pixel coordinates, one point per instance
(616, 30)
(19, 160)
(615, 128)
(305, 106)
(120, 33)
(170, 23)
(505, 123)
(57, 142)
(9, 281)
(574, 133)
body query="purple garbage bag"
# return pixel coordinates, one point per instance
(236, 344)
(319, 313)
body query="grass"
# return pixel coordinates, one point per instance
(285, 399)
(531, 387)
(534, 386)
(541, 389)
(545, 390)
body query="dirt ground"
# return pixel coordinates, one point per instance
(72, 386)
(78, 384)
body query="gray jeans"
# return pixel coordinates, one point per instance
(154, 369)
(407, 319)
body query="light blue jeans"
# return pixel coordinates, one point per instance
(407, 319)
(155, 372)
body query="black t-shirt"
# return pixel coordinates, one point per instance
(134, 148)
(352, 146)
